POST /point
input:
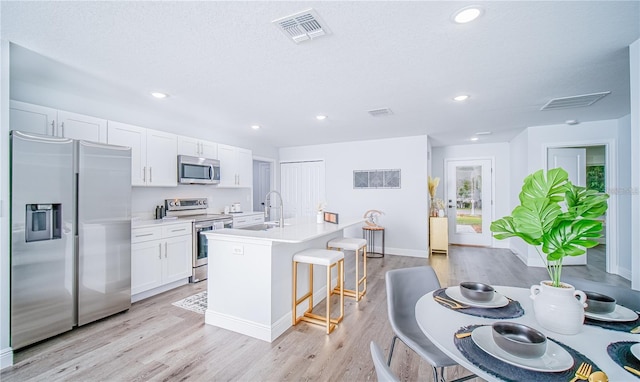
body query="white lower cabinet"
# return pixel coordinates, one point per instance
(160, 255)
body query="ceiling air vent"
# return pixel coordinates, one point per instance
(380, 112)
(574, 101)
(302, 26)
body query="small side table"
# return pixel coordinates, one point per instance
(369, 233)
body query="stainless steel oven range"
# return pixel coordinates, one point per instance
(195, 210)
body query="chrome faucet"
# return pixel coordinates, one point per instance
(267, 207)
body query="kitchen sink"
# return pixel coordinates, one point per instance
(258, 227)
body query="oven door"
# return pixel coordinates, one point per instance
(200, 248)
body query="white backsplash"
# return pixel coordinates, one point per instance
(145, 199)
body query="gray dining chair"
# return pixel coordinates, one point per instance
(404, 289)
(383, 372)
(624, 296)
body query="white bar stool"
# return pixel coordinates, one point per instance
(356, 245)
(328, 259)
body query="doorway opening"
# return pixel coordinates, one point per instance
(263, 181)
(587, 167)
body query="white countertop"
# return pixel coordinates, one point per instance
(140, 223)
(296, 230)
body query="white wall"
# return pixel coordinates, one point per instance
(621, 190)
(634, 63)
(405, 209)
(499, 153)
(6, 355)
(519, 170)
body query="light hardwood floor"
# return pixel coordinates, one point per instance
(157, 341)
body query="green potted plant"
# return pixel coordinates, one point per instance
(559, 219)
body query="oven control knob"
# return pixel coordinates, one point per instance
(171, 203)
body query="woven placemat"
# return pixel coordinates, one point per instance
(611, 325)
(508, 372)
(512, 310)
(620, 354)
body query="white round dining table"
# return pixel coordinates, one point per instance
(440, 324)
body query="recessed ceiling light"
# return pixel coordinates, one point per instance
(484, 133)
(159, 95)
(255, 127)
(321, 117)
(462, 97)
(475, 138)
(467, 14)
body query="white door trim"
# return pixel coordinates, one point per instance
(611, 219)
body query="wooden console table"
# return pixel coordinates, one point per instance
(438, 235)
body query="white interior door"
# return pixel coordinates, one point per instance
(573, 161)
(469, 201)
(302, 187)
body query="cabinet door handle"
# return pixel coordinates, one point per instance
(159, 251)
(144, 174)
(165, 249)
(200, 148)
(62, 124)
(145, 234)
(178, 230)
(53, 127)
(150, 174)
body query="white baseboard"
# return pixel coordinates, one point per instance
(238, 325)
(6, 358)
(623, 272)
(152, 292)
(406, 252)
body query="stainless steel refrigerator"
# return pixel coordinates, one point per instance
(70, 234)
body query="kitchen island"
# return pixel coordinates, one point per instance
(250, 273)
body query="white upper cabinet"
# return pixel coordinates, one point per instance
(32, 118)
(136, 138)
(78, 126)
(47, 121)
(197, 148)
(153, 154)
(236, 166)
(162, 158)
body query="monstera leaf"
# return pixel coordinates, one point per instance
(556, 217)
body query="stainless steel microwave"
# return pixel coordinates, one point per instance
(194, 170)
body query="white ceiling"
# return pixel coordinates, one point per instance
(227, 67)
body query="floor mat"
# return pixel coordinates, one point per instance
(196, 303)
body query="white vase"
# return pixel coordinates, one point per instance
(557, 309)
(320, 217)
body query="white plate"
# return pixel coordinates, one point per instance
(635, 350)
(620, 314)
(555, 359)
(497, 302)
